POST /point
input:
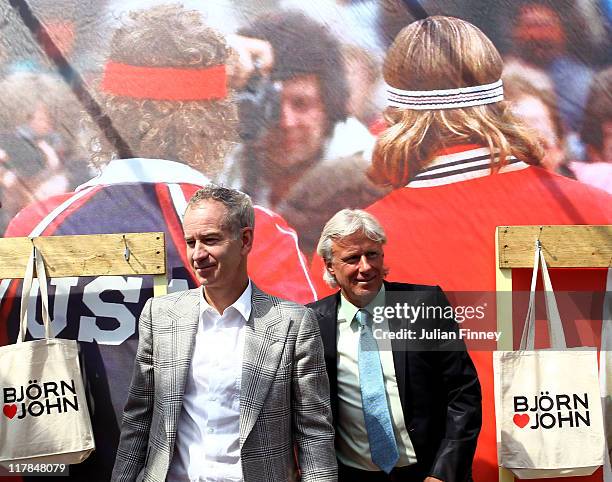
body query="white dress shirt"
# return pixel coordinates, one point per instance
(208, 431)
(353, 446)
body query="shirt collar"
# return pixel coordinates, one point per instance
(143, 170)
(243, 304)
(347, 310)
(461, 166)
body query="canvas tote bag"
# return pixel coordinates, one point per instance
(547, 402)
(44, 415)
(605, 374)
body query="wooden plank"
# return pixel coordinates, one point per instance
(505, 475)
(503, 290)
(160, 285)
(86, 255)
(504, 309)
(563, 246)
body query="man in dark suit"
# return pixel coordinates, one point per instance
(229, 382)
(404, 409)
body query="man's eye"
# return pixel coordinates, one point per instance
(352, 259)
(373, 255)
(190, 243)
(301, 105)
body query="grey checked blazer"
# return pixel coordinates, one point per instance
(284, 395)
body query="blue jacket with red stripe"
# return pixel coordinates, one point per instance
(132, 195)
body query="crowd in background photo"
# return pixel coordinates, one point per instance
(557, 75)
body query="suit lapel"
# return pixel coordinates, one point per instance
(184, 317)
(328, 327)
(327, 314)
(264, 341)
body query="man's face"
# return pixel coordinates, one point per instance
(217, 259)
(537, 116)
(358, 267)
(301, 130)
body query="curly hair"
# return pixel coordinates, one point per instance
(444, 53)
(198, 133)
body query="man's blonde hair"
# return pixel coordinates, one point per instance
(444, 53)
(342, 225)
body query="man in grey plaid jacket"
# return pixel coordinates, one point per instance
(228, 380)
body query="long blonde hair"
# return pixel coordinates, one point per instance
(444, 53)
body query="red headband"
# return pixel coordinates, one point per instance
(164, 83)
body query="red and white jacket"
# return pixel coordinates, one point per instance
(133, 195)
(441, 230)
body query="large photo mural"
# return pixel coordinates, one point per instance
(114, 112)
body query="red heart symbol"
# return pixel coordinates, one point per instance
(10, 410)
(520, 420)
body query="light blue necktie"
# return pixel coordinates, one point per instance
(383, 447)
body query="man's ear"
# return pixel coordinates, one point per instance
(246, 238)
(330, 268)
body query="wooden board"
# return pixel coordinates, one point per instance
(86, 255)
(503, 290)
(563, 246)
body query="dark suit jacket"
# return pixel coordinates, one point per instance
(439, 389)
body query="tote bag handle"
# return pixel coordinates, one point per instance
(35, 259)
(555, 327)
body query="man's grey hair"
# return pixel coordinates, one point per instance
(240, 211)
(343, 224)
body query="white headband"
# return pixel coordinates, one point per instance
(445, 98)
